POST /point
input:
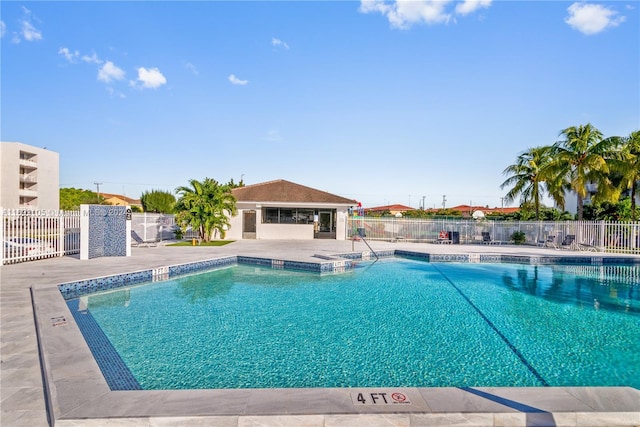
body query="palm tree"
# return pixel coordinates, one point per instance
(580, 158)
(224, 207)
(528, 177)
(627, 165)
(205, 206)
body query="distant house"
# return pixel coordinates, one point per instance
(392, 209)
(120, 200)
(285, 210)
(467, 211)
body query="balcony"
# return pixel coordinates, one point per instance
(28, 193)
(28, 163)
(28, 178)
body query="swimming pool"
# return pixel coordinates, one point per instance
(393, 323)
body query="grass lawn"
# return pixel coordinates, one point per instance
(211, 243)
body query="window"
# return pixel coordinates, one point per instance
(287, 216)
(270, 216)
(304, 216)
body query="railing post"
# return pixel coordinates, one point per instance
(62, 223)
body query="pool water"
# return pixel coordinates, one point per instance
(392, 323)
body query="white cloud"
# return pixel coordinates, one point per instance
(3, 28)
(405, 13)
(28, 31)
(189, 66)
(110, 72)
(279, 43)
(591, 19)
(470, 6)
(92, 59)
(236, 81)
(73, 56)
(68, 55)
(151, 78)
(115, 94)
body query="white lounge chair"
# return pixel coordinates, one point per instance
(140, 242)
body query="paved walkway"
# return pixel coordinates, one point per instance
(22, 396)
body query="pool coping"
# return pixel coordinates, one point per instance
(77, 390)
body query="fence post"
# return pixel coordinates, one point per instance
(2, 225)
(61, 232)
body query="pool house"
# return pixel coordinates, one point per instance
(282, 209)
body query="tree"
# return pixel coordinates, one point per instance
(205, 206)
(233, 185)
(581, 158)
(528, 177)
(608, 211)
(626, 163)
(158, 201)
(72, 198)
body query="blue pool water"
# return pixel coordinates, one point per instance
(393, 323)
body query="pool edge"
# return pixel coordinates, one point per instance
(82, 394)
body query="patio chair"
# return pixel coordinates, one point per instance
(587, 247)
(140, 242)
(550, 242)
(569, 242)
(486, 238)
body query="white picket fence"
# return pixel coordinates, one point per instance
(36, 234)
(33, 234)
(599, 236)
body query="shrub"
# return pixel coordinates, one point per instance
(518, 237)
(178, 233)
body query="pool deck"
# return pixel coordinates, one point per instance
(23, 396)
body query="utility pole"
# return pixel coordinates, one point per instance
(502, 201)
(444, 201)
(98, 184)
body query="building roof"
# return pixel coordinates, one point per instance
(125, 199)
(285, 191)
(390, 208)
(468, 209)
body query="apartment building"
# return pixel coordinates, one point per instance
(29, 177)
(571, 198)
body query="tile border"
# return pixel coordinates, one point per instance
(338, 263)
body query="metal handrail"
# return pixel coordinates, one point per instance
(369, 246)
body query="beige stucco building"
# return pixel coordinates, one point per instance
(284, 210)
(29, 177)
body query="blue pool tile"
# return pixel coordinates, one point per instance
(115, 371)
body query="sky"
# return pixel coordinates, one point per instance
(418, 102)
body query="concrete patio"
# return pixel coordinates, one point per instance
(22, 394)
